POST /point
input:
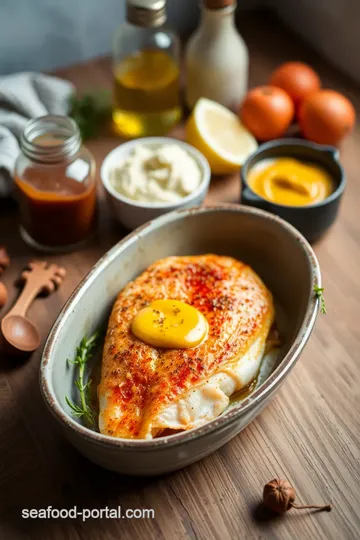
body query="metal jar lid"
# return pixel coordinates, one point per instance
(146, 13)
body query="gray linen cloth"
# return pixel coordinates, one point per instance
(24, 96)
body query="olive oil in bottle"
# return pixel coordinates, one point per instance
(146, 72)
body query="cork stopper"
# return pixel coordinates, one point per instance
(218, 4)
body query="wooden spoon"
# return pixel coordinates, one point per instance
(17, 330)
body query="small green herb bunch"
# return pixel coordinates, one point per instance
(91, 111)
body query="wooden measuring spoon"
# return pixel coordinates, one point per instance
(17, 330)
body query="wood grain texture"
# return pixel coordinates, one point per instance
(309, 434)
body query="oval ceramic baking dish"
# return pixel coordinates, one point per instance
(275, 250)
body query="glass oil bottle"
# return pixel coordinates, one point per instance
(146, 72)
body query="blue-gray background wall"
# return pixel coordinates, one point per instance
(46, 34)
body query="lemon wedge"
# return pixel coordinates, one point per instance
(220, 136)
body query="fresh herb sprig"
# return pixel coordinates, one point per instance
(319, 293)
(91, 111)
(84, 353)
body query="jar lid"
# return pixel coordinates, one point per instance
(218, 4)
(147, 13)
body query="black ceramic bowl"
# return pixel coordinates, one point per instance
(312, 220)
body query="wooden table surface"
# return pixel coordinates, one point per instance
(308, 434)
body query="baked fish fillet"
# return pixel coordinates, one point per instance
(146, 391)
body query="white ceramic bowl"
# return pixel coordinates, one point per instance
(275, 250)
(132, 213)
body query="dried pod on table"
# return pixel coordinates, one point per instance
(279, 496)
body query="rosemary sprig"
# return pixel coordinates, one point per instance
(91, 111)
(83, 354)
(319, 293)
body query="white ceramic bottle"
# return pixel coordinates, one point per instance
(216, 57)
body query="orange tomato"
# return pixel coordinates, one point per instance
(267, 112)
(326, 117)
(297, 79)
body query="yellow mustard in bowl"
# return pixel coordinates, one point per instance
(290, 182)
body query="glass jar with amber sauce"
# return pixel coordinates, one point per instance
(55, 185)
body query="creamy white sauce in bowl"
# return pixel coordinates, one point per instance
(160, 174)
(148, 177)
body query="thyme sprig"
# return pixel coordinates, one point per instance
(319, 293)
(84, 353)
